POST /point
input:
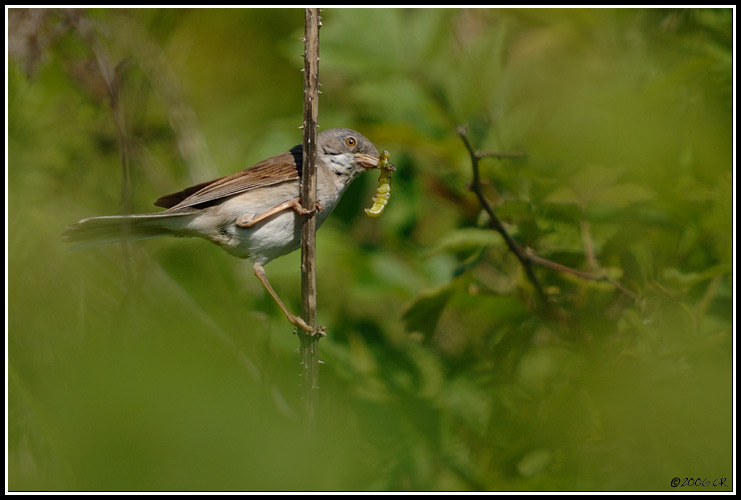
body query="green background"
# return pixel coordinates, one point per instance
(163, 364)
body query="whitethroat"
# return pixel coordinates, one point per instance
(254, 214)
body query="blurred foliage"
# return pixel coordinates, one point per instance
(163, 365)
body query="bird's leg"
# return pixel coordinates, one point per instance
(295, 320)
(249, 220)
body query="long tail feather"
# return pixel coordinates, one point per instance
(116, 228)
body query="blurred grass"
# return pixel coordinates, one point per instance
(165, 366)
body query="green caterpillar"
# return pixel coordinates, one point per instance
(383, 192)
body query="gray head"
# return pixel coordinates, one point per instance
(347, 153)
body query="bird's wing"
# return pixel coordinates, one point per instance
(278, 169)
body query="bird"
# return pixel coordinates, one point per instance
(255, 214)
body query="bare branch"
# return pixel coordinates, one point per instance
(494, 221)
(527, 256)
(310, 341)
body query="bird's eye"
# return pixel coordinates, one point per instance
(351, 142)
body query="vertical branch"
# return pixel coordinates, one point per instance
(310, 341)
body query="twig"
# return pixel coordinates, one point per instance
(112, 83)
(542, 261)
(586, 237)
(527, 256)
(310, 341)
(494, 221)
(158, 71)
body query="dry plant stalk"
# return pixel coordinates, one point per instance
(310, 341)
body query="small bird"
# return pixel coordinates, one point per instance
(254, 214)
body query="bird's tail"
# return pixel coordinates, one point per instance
(116, 228)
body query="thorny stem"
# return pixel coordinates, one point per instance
(310, 341)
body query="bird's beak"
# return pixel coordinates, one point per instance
(369, 161)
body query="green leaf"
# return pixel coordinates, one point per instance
(467, 239)
(424, 312)
(683, 280)
(623, 195)
(563, 195)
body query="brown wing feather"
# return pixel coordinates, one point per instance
(280, 168)
(170, 200)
